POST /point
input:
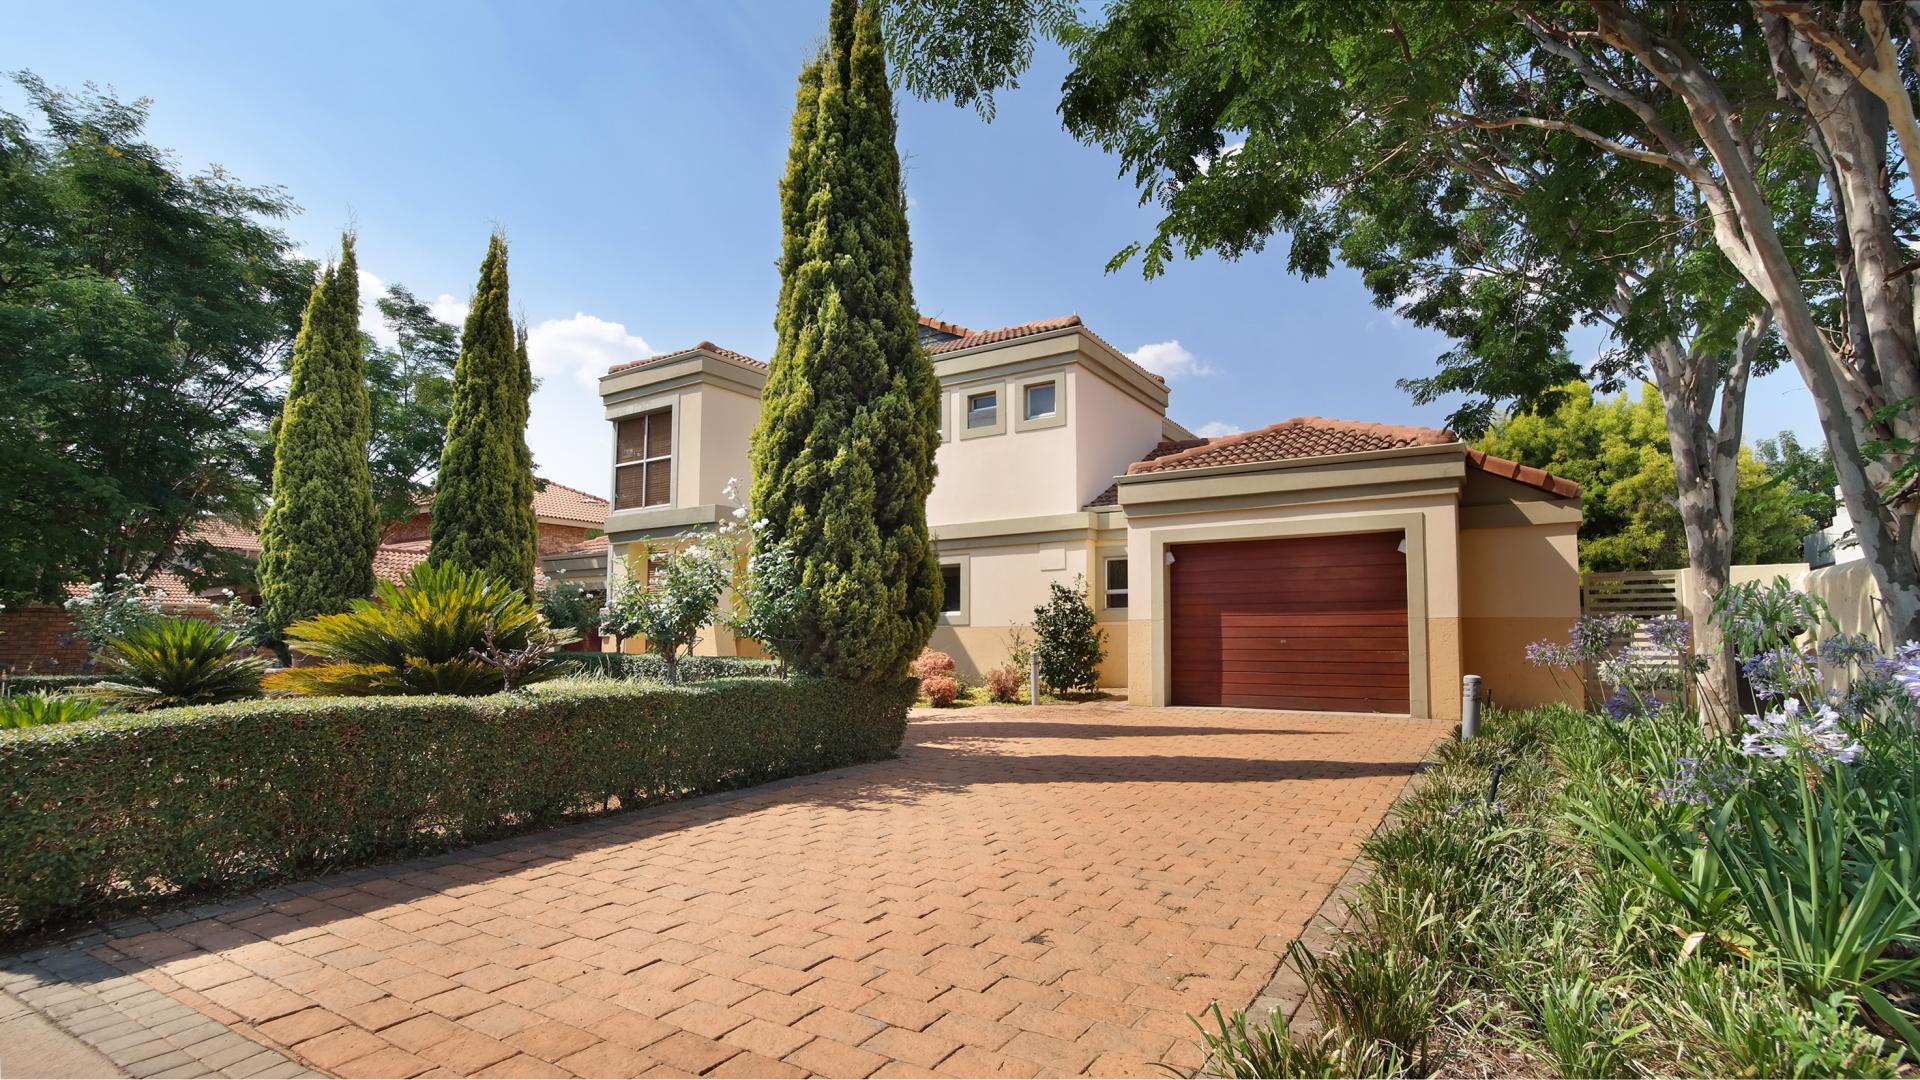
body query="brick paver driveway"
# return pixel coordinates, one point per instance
(1025, 892)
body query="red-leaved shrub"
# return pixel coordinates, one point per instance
(941, 690)
(930, 663)
(1003, 683)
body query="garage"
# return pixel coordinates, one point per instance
(1316, 623)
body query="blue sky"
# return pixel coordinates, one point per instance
(631, 152)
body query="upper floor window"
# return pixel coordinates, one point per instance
(1116, 593)
(983, 410)
(1040, 401)
(643, 460)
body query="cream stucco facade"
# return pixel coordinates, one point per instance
(1042, 427)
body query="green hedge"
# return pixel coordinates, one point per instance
(41, 684)
(100, 814)
(649, 666)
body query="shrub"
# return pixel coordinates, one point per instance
(1004, 683)
(107, 611)
(1071, 645)
(650, 667)
(97, 814)
(941, 690)
(930, 662)
(423, 636)
(177, 662)
(34, 710)
(567, 606)
(677, 596)
(31, 683)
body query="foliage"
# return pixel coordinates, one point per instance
(34, 683)
(1070, 643)
(410, 398)
(102, 814)
(317, 539)
(649, 667)
(1806, 473)
(849, 420)
(941, 690)
(1004, 683)
(567, 606)
(36, 709)
(176, 662)
(930, 662)
(1618, 451)
(105, 612)
(422, 636)
(144, 315)
(483, 516)
(676, 597)
(246, 622)
(1240, 1050)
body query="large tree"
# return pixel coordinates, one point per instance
(849, 421)
(410, 384)
(1756, 112)
(144, 318)
(483, 496)
(317, 541)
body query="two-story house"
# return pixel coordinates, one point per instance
(1313, 564)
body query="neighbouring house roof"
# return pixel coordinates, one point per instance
(594, 546)
(558, 502)
(1111, 496)
(392, 561)
(1524, 474)
(705, 346)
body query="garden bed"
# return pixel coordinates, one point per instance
(101, 815)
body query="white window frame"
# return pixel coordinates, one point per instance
(962, 617)
(1106, 587)
(963, 410)
(1056, 418)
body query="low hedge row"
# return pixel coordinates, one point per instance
(100, 814)
(649, 666)
(39, 684)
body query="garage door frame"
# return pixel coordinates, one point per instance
(1411, 524)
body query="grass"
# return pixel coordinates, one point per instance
(1506, 938)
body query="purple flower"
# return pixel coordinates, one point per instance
(1551, 654)
(1779, 673)
(1905, 668)
(1785, 735)
(1670, 633)
(1840, 650)
(1697, 783)
(1596, 637)
(1621, 704)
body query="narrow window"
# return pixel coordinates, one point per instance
(643, 460)
(1039, 401)
(950, 598)
(983, 409)
(1117, 583)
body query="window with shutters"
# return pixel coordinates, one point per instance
(643, 460)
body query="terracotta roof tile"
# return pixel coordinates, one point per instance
(392, 561)
(1303, 436)
(705, 346)
(975, 338)
(1524, 474)
(1111, 496)
(595, 546)
(558, 501)
(941, 326)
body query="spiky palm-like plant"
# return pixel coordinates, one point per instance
(36, 710)
(177, 662)
(427, 635)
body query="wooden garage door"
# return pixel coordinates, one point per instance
(1309, 623)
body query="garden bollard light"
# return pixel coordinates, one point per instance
(1469, 707)
(1033, 676)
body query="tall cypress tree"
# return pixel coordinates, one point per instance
(849, 420)
(483, 497)
(317, 541)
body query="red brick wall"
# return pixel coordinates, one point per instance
(561, 537)
(414, 528)
(37, 639)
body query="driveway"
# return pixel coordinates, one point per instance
(1025, 891)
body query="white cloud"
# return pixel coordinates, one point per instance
(1170, 360)
(1213, 429)
(449, 310)
(584, 346)
(371, 290)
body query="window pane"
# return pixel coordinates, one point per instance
(659, 481)
(950, 594)
(660, 433)
(1116, 573)
(1039, 401)
(630, 437)
(629, 487)
(982, 410)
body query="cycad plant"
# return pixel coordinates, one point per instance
(177, 662)
(427, 635)
(36, 710)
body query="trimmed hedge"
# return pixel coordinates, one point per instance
(47, 684)
(100, 814)
(649, 666)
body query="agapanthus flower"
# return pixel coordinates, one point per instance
(1840, 650)
(1595, 637)
(1670, 633)
(1697, 783)
(1787, 734)
(1905, 668)
(1551, 654)
(1622, 704)
(1779, 673)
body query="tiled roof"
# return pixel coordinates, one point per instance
(1303, 436)
(1111, 496)
(225, 534)
(560, 502)
(1524, 474)
(595, 546)
(705, 346)
(973, 338)
(941, 326)
(392, 561)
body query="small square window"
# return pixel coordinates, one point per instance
(983, 410)
(1040, 400)
(950, 598)
(1116, 591)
